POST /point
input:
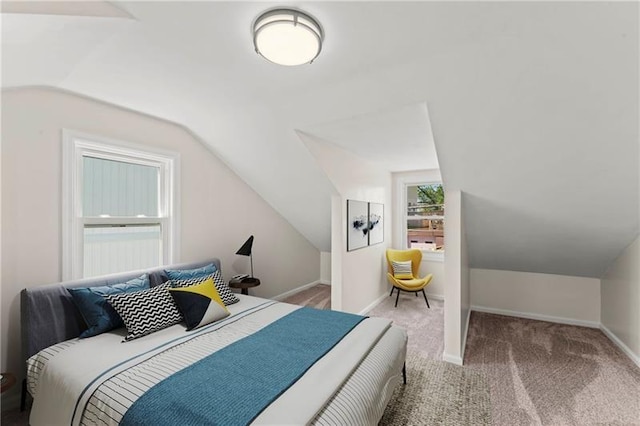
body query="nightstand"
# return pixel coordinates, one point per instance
(244, 284)
(8, 380)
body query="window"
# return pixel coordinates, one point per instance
(425, 217)
(119, 207)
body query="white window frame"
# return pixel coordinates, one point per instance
(428, 177)
(75, 145)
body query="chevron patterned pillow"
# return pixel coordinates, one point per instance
(222, 287)
(144, 312)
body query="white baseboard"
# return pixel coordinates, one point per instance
(381, 298)
(453, 359)
(325, 282)
(540, 317)
(435, 296)
(627, 351)
(284, 295)
(373, 304)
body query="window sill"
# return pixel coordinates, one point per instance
(433, 256)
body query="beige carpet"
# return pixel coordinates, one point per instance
(552, 374)
(538, 373)
(424, 326)
(439, 393)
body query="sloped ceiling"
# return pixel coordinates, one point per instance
(397, 140)
(533, 106)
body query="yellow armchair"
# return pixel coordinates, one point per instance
(413, 284)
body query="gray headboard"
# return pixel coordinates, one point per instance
(49, 316)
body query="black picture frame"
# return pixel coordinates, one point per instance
(365, 224)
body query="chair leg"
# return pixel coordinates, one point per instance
(416, 293)
(392, 288)
(404, 373)
(397, 297)
(425, 298)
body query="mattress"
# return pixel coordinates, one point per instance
(95, 380)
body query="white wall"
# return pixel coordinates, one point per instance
(435, 288)
(557, 298)
(465, 280)
(337, 252)
(325, 267)
(456, 273)
(219, 211)
(358, 277)
(620, 294)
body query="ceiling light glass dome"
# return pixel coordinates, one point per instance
(287, 37)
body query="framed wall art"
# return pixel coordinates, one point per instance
(376, 223)
(365, 224)
(357, 224)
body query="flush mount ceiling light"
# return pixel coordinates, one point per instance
(287, 37)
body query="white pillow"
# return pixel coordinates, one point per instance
(402, 270)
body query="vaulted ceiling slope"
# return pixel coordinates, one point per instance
(533, 106)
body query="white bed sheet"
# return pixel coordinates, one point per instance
(355, 393)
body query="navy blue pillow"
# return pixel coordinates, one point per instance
(96, 311)
(187, 274)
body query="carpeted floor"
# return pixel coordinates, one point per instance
(424, 326)
(552, 374)
(439, 393)
(537, 373)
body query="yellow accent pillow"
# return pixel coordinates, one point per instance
(199, 304)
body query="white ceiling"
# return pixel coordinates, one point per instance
(71, 8)
(533, 106)
(398, 140)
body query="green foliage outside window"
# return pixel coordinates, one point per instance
(432, 195)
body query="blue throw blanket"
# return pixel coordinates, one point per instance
(235, 384)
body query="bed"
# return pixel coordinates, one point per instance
(242, 369)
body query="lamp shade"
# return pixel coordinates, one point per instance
(245, 250)
(287, 37)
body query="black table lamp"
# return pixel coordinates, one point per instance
(245, 250)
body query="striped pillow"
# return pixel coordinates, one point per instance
(402, 270)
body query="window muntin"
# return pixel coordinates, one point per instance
(425, 217)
